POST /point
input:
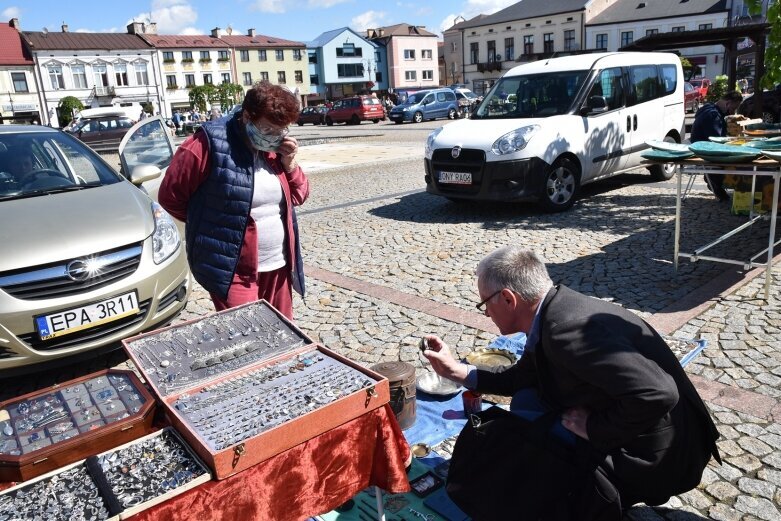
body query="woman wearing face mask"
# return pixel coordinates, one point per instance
(235, 183)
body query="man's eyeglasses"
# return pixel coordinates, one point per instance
(481, 305)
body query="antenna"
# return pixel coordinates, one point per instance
(45, 31)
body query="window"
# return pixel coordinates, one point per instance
(297, 55)
(426, 54)
(409, 54)
(170, 81)
(281, 77)
(428, 75)
(314, 79)
(644, 83)
(299, 76)
(222, 56)
(349, 49)
(226, 77)
(247, 78)
(313, 57)
(705, 27)
(142, 76)
(474, 51)
(244, 55)
(120, 74)
(678, 29)
(262, 55)
(528, 44)
(264, 76)
(349, 70)
(189, 80)
(168, 56)
(378, 77)
(80, 76)
(509, 48)
(453, 47)
(649, 32)
(601, 41)
(410, 76)
(205, 56)
(669, 78)
(280, 54)
(626, 38)
(187, 56)
(207, 79)
(55, 77)
(20, 82)
(610, 87)
(491, 50)
(547, 43)
(100, 73)
(569, 40)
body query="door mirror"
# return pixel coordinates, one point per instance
(594, 105)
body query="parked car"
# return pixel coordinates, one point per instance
(88, 258)
(426, 104)
(355, 109)
(691, 98)
(702, 85)
(771, 105)
(102, 133)
(467, 100)
(313, 115)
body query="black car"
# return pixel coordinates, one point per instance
(313, 115)
(771, 106)
(102, 133)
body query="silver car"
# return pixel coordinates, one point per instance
(88, 258)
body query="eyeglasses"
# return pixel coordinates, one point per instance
(273, 132)
(482, 304)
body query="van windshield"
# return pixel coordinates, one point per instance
(532, 96)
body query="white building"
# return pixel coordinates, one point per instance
(18, 90)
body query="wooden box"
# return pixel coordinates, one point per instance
(243, 385)
(53, 427)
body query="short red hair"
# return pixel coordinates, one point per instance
(273, 102)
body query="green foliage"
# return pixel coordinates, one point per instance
(68, 105)
(717, 89)
(772, 74)
(228, 94)
(689, 70)
(202, 95)
(148, 107)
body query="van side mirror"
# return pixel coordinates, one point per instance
(594, 105)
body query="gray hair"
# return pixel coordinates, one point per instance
(516, 269)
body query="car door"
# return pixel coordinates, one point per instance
(606, 136)
(645, 116)
(429, 106)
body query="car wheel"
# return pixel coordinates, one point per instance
(300, 124)
(375, 121)
(768, 116)
(452, 114)
(562, 181)
(696, 106)
(418, 117)
(398, 122)
(667, 170)
(355, 120)
(329, 122)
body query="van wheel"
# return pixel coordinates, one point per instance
(452, 114)
(666, 171)
(329, 122)
(398, 122)
(562, 181)
(418, 117)
(375, 121)
(355, 120)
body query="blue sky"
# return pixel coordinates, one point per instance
(299, 20)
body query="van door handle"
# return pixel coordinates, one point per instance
(629, 123)
(635, 121)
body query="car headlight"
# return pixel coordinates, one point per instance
(429, 152)
(165, 238)
(514, 141)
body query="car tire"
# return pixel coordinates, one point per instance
(355, 120)
(329, 122)
(769, 116)
(300, 124)
(562, 184)
(398, 122)
(666, 171)
(418, 117)
(696, 106)
(452, 114)
(375, 121)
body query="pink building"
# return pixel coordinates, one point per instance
(411, 54)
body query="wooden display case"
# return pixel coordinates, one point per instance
(70, 421)
(178, 344)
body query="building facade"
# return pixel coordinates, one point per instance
(343, 63)
(412, 55)
(19, 101)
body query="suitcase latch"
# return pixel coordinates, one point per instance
(238, 451)
(370, 393)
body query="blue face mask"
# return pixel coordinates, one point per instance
(262, 141)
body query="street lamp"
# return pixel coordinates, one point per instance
(369, 63)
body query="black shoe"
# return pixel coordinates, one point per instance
(721, 194)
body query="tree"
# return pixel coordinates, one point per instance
(228, 94)
(202, 96)
(67, 107)
(772, 74)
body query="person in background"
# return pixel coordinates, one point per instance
(613, 380)
(21, 165)
(709, 122)
(235, 183)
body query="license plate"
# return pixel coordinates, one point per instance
(456, 178)
(85, 317)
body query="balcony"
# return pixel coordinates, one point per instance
(489, 66)
(104, 91)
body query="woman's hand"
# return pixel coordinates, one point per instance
(287, 151)
(442, 361)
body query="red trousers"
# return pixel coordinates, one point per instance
(274, 286)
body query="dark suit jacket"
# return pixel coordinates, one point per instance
(646, 416)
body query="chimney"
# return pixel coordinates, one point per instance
(14, 22)
(368, 33)
(216, 32)
(382, 32)
(150, 28)
(135, 28)
(64, 27)
(251, 32)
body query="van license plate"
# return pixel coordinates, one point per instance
(76, 319)
(456, 178)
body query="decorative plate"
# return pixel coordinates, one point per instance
(658, 144)
(733, 158)
(775, 155)
(666, 155)
(709, 148)
(491, 359)
(764, 144)
(432, 383)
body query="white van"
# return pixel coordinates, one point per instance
(547, 128)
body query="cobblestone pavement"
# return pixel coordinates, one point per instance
(382, 254)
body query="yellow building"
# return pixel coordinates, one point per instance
(258, 57)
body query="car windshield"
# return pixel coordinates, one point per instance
(532, 96)
(41, 163)
(416, 98)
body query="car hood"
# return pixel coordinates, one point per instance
(62, 226)
(481, 134)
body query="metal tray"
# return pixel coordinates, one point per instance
(491, 359)
(431, 383)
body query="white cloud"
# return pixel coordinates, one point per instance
(192, 30)
(472, 8)
(268, 6)
(368, 20)
(171, 16)
(324, 4)
(11, 12)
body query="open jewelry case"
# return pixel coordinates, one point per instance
(53, 427)
(244, 384)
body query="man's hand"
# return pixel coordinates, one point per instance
(287, 151)
(442, 361)
(574, 420)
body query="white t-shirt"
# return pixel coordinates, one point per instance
(267, 201)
